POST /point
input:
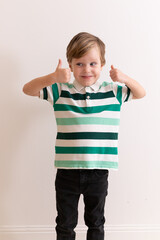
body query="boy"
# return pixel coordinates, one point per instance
(87, 115)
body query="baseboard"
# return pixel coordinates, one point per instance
(45, 232)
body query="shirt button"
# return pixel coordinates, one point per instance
(88, 97)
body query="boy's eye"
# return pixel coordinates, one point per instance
(79, 64)
(93, 63)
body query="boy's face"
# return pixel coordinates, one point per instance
(87, 69)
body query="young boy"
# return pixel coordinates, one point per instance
(87, 115)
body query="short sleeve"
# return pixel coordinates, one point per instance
(122, 93)
(50, 93)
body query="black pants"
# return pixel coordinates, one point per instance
(93, 184)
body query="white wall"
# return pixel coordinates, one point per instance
(34, 34)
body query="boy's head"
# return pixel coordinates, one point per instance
(86, 57)
(81, 44)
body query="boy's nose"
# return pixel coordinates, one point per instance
(87, 68)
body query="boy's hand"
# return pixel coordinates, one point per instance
(62, 75)
(117, 76)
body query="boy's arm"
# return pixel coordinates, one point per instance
(33, 87)
(137, 90)
(61, 75)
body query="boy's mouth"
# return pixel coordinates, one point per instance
(86, 77)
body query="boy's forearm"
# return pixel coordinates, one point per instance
(33, 87)
(137, 90)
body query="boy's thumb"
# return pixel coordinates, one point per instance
(59, 64)
(112, 67)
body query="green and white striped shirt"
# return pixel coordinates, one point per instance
(88, 121)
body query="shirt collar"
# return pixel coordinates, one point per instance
(79, 87)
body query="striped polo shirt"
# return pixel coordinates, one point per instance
(88, 121)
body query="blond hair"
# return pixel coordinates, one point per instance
(81, 44)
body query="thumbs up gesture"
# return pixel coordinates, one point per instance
(62, 75)
(117, 76)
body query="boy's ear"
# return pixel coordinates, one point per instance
(102, 66)
(70, 66)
